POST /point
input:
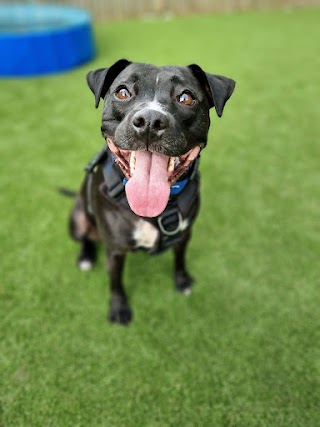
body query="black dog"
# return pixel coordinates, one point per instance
(141, 190)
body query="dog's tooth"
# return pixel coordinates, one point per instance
(132, 162)
(171, 164)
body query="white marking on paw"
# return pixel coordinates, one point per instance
(187, 291)
(85, 265)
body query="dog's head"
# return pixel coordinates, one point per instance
(155, 121)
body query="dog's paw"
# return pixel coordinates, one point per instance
(87, 256)
(183, 282)
(85, 264)
(121, 314)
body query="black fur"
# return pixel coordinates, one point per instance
(150, 119)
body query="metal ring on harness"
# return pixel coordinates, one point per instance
(163, 217)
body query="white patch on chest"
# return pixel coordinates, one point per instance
(184, 224)
(145, 234)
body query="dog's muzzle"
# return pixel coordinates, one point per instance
(150, 176)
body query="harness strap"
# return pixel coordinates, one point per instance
(178, 215)
(113, 179)
(98, 158)
(89, 194)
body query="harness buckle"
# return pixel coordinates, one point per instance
(116, 190)
(168, 219)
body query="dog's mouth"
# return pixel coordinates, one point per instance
(150, 176)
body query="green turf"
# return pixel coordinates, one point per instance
(243, 350)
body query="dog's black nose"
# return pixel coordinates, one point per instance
(150, 122)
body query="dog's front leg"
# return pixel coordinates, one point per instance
(183, 280)
(120, 311)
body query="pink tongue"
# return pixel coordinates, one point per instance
(148, 190)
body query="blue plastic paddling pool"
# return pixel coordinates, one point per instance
(43, 39)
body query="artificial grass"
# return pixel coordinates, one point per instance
(243, 350)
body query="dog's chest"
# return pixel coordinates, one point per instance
(145, 235)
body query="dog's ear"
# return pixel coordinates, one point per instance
(100, 80)
(218, 89)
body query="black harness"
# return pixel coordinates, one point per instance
(181, 209)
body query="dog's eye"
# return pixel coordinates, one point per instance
(186, 98)
(123, 93)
